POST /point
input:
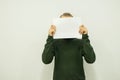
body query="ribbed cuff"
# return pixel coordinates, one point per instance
(85, 36)
(50, 38)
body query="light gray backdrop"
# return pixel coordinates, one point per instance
(24, 26)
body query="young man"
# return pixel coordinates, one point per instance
(68, 54)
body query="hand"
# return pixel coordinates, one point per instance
(52, 30)
(83, 30)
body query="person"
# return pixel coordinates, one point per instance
(68, 54)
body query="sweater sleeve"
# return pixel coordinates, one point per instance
(87, 50)
(48, 52)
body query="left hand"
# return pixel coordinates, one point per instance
(83, 30)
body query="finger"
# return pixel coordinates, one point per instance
(53, 33)
(54, 28)
(81, 31)
(82, 25)
(84, 32)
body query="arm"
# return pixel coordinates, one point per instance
(87, 51)
(48, 52)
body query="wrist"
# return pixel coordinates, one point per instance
(84, 36)
(50, 36)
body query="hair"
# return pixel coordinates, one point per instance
(66, 14)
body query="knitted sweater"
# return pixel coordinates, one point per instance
(68, 55)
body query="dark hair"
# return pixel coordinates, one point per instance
(66, 14)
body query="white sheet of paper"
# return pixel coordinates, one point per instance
(67, 27)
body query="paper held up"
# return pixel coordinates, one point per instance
(67, 27)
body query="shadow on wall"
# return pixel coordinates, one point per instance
(89, 71)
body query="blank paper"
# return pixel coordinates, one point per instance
(67, 27)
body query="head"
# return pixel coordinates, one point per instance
(66, 15)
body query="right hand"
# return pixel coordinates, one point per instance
(52, 30)
(83, 30)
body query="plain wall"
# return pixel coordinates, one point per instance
(24, 28)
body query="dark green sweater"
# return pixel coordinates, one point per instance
(68, 54)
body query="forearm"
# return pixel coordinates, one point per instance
(88, 51)
(48, 52)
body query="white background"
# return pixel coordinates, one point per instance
(24, 26)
